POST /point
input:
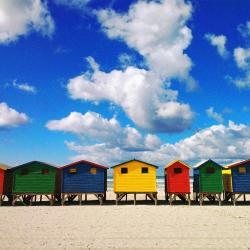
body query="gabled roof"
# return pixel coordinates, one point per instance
(40, 162)
(4, 166)
(236, 164)
(173, 162)
(201, 164)
(134, 160)
(83, 161)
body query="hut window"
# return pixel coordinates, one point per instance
(45, 171)
(177, 170)
(210, 170)
(144, 170)
(72, 171)
(242, 170)
(124, 170)
(24, 171)
(93, 171)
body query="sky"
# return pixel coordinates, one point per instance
(112, 80)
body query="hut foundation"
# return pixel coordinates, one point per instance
(30, 198)
(101, 197)
(185, 197)
(152, 196)
(210, 197)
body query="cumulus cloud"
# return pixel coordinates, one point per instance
(242, 59)
(18, 18)
(214, 115)
(73, 3)
(9, 117)
(219, 42)
(244, 29)
(142, 95)
(222, 143)
(94, 127)
(25, 87)
(158, 31)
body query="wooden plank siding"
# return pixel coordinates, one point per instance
(135, 181)
(177, 182)
(227, 180)
(2, 171)
(241, 181)
(34, 181)
(210, 182)
(83, 181)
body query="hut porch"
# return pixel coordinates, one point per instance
(101, 197)
(151, 195)
(185, 197)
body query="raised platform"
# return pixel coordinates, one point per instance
(101, 197)
(172, 196)
(151, 195)
(30, 198)
(210, 196)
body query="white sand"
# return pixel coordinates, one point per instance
(125, 226)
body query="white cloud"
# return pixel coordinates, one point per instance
(242, 59)
(92, 126)
(25, 87)
(222, 143)
(142, 95)
(214, 115)
(73, 3)
(219, 42)
(9, 117)
(18, 18)
(158, 31)
(244, 29)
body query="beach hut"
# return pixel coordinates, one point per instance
(26, 181)
(177, 181)
(227, 183)
(135, 177)
(3, 169)
(83, 177)
(240, 172)
(208, 181)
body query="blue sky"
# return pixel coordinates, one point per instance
(155, 80)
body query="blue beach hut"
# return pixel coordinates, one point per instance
(83, 177)
(240, 172)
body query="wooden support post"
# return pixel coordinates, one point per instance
(146, 198)
(134, 198)
(80, 198)
(41, 198)
(116, 202)
(201, 199)
(189, 200)
(155, 199)
(244, 197)
(86, 197)
(234, 200)
(63, 199)
(126, 197)
(219, 199)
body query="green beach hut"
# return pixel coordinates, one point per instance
(32, 179)
(208, 181)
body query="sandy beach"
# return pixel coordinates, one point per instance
(125, 226)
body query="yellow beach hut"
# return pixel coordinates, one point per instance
(135, 177)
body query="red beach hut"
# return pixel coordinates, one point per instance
(2, 174)
(177, 181)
